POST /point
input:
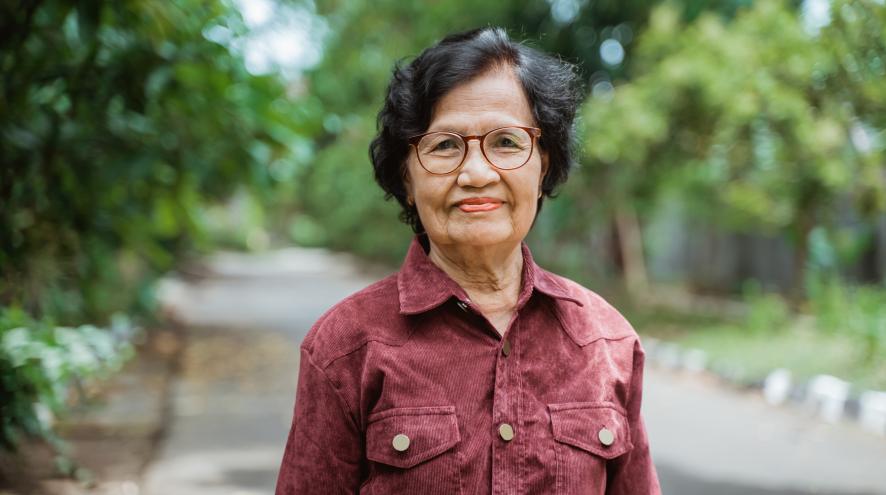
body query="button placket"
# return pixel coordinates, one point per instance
(507, 449)
(506, 432)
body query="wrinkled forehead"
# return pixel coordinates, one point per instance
(494, 98)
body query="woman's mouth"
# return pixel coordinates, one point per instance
(472, 205)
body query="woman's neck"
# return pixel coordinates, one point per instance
(491, 276)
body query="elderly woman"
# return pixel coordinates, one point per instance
(471, 370)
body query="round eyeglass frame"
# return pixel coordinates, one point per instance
(534, 134)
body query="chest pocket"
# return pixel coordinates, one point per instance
(587, 434)
(413, 450)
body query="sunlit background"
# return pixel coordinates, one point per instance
(185, 186)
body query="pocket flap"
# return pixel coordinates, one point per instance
(430, 432)
(597, 427)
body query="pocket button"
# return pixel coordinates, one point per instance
(606, 436)
(401, 442)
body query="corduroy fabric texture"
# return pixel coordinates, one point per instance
(409, 355)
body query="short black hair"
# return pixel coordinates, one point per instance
(552, 88)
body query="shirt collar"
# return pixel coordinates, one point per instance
(422, 285)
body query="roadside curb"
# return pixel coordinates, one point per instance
(827, 397)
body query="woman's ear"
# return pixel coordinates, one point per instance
(407, 185)
(545, 164)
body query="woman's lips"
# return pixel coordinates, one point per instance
(478, 204)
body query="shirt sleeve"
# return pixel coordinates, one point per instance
(324, 449)
(634, 473)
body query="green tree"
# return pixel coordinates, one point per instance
(345, 90)
(121, 122)
(759, 122)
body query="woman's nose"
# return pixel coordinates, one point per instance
(476, 171)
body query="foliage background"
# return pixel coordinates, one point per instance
(123, 125)
(721, 142)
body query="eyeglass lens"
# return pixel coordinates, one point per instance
(443, 152)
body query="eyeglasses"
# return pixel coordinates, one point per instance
(506, 148)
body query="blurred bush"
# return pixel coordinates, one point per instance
(856, 311)
(41, 363)
(123, 127)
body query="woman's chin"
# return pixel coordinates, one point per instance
(483, 234)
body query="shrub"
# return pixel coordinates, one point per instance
(41, 365)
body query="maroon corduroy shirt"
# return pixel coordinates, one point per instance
(405, 387)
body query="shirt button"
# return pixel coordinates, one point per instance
(606, 436)
(506, 347)
(506, 431)
(401, 442)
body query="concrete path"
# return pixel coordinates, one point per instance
(232, 401)
(710, 439)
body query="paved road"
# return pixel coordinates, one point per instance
(233, 399)
(709, 439)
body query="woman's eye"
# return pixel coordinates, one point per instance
(507, 142)
(444, 145)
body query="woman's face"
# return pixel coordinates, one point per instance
(503, 201)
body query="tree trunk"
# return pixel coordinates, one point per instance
(630, 243)
(803, 227)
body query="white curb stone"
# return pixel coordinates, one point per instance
(828, 394)
(872, 414)
(777, 386)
